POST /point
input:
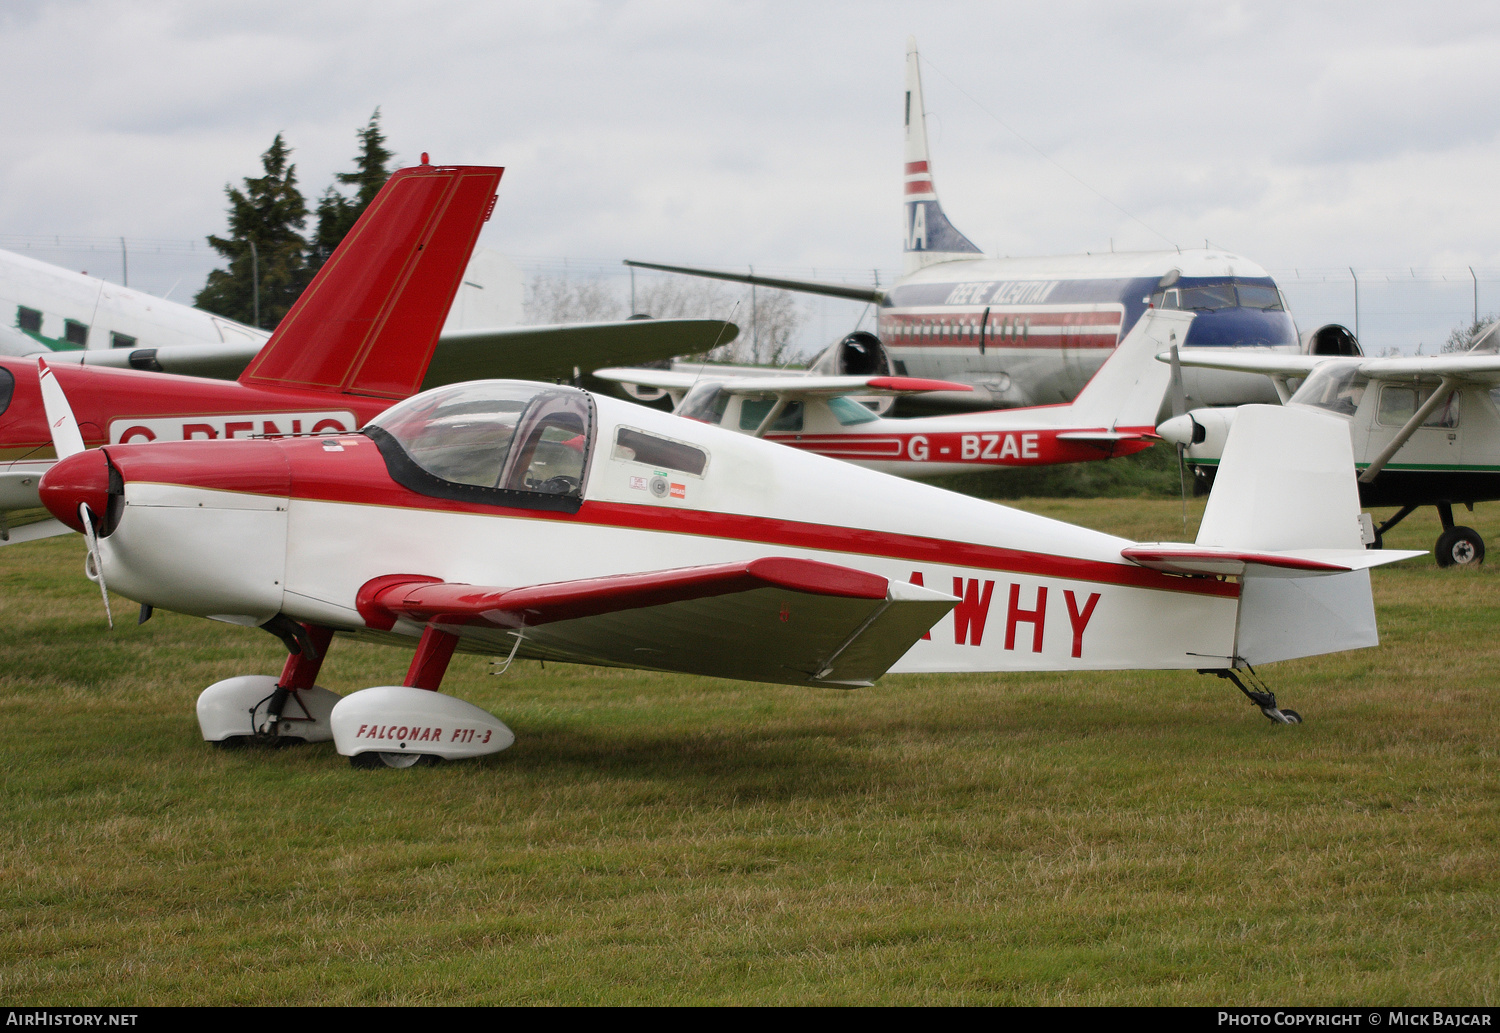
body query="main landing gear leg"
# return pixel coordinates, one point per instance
(1263, 697)
(299, 673)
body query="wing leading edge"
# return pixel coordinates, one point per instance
(775, 619)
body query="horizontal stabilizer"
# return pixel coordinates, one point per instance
(792, 384)
(1178, 558)
(1106, 437)
(774, 619)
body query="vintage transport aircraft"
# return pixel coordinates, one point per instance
(1114, 414)
(366, 332)
(523, 519)
(1032, 331)
(1425, 430)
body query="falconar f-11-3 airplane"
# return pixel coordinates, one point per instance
(521, 519)
(1112, 416)
(1425, 430)
(365, 333)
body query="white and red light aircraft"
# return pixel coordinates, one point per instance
(1425, 429)
(366, 332)
(523, 519)
(1032, 331)
(1114, 414)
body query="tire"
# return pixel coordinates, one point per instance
(233, 742)
(1296, 718)
(1459, 547)
(1378, 543)
(373, 760)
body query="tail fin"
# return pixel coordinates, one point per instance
(370, 319)
(930, 237)
(1128, 389)
(1286, 485)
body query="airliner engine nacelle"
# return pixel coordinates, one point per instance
(1330, 339)
(860, 354)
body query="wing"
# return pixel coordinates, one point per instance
(552, 352)
(774, 619)
(831, 290)
(791, 385)
(1272, 364)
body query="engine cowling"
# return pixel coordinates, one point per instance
(1330, 339)
(859, 354)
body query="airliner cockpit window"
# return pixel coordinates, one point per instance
(1210, 297)
(504, 442)
(1254, 295)
(1335, 386)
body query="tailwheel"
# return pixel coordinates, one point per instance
(1260, 697)
(1292, 717)
(393, 760)
(1459, 546)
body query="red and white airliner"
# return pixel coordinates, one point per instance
(1112, 416)
(1032, 331)
(521, 519)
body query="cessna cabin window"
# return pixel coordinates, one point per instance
(75, 332)
(1335, 386)
(849, 412)
(705, 403)
(754, 410)
(501, 442)
(28, 319)
(1398, 404)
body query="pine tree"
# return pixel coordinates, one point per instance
(337, 213)
(269, 212)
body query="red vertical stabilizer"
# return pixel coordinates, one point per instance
(370, 319)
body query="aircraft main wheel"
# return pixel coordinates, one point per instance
(1459, 547)
(392, 760)
(232, 742)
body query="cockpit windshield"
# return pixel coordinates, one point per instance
(507, 442)
(1334, 386)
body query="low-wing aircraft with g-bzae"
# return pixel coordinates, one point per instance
(363, 334)
(1114, 414)
(1425, 430)
(522, 519)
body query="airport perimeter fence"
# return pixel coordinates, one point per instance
(1393, 310)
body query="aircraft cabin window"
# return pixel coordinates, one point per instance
(637, 446)
(705, 403)
(849, 412)
(28, 319)
(754, 410)
(7, 388)
(500, 442)
(1335, 386)
(121, 341)
(75, 332)
(1398, 404)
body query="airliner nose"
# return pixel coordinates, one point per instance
(80, 478)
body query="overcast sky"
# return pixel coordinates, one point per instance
(1303, 136)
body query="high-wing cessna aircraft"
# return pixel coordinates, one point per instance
(1112, 416)
(1032, 331)
(1425, 429)
(363, 334)
(523, 519)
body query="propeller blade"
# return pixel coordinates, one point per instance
(1182, 473)
(1179, 396)
(67, 440)
(95, 566)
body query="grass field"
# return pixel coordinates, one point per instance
(1103, 839)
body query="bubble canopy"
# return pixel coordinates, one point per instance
(502, 442)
